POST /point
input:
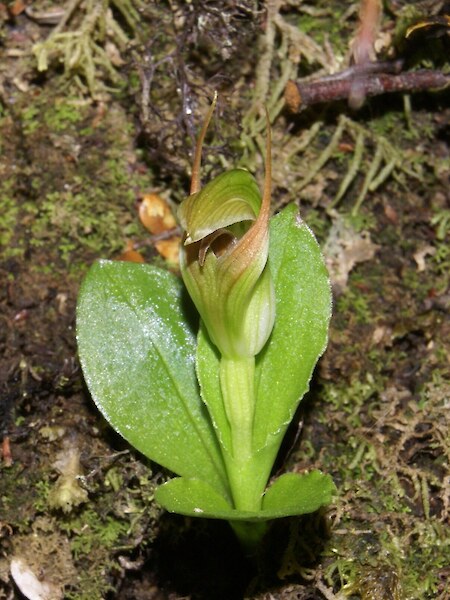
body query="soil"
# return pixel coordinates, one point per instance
(76, 507)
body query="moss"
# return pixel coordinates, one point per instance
(60, 206)
(9, 214)
(392, 539)
(355, 303)
(89, 532)
(71, 221)
(64, 112)
(441, 221)
(78, 549)
(45, 551)
(116, 522)
(22, 493)
(30, 121)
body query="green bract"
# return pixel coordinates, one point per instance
(212, 401)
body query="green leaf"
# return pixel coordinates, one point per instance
(137, 351)
(192, 497)
(298, 493)
(299, 337)
(291, 494)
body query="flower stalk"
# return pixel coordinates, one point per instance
(224, 264)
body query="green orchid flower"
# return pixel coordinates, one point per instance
(224, 260)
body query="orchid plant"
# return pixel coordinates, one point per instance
(208, 392)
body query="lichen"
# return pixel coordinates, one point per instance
(68, 492)
(88, 41)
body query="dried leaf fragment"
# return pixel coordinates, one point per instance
(169, 249)
(345, 248)
(30, 585)
(155, 214)
(157, 217)
(130, 254)
(420, 255)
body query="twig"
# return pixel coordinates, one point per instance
(151, 240)
(301, 95)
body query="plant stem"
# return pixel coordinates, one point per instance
(237, 383)
(249, 534)
(244, 472)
